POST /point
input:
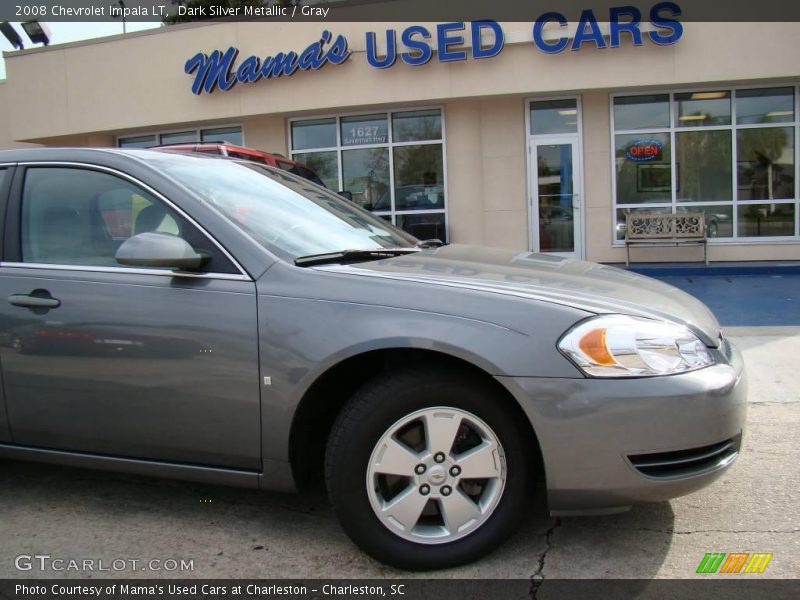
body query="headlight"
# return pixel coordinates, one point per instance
(624, 346)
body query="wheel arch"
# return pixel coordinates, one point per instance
(329, 392)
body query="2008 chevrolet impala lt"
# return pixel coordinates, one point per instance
(222, 321)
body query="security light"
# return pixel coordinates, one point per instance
(39, 33)
(11, 35)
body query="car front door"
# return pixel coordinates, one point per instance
(129, 362)
(5, 432)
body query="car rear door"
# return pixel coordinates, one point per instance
(128, 362)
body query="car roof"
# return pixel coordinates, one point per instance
(67, 153)
(96, 155)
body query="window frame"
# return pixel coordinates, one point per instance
(733, 128)
(197, 130)
(390, 144)
(12, 244)
(6, 189)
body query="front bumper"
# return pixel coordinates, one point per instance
(610, 443)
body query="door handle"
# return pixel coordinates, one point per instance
(34, 300)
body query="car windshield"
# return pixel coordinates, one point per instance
(288, 215)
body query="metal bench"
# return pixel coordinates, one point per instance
(663, 229)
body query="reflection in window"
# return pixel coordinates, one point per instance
(282, 212)
(418, 177)
(620, 227)
(766, 220)
(643, 168)
(554, 116)
(556, 211)
(718, 218)
(770, 105)
(765, 163)
(732, 158)
(696, 109)
(365, 173)
(417, 125)
(316, 133)
(392, 163)
(141, 141)
(180, 137)
(703, 165)
(423, 226)
(325, 164)
(74, 216)
(641, 112)
(364, 130)
(231, 135)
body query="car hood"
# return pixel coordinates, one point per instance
(584, 285)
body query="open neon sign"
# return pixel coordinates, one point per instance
(644, 150)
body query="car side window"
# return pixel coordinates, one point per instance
(76, 216)
(2, 175)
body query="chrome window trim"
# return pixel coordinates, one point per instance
(243, 275)
(124, 270)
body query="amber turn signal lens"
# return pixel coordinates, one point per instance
(593, 344)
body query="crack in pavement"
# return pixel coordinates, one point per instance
(674, 532)
(538, 577)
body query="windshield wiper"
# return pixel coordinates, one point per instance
(351, 255)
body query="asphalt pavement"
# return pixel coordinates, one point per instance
(226, 532)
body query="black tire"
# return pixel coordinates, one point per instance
(372, 411)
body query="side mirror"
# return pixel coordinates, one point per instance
(346, 195)
(153, 249)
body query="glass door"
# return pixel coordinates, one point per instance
(555, 189)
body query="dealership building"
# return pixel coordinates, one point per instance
(496, 134)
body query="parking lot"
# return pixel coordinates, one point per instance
(225, 532)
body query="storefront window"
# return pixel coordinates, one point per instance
(326, 165)
(180, 137)
(703, 165)
(766, 220)
(364, 129)
(771, 105)
(716, 152)
(427, 226)
(641, 112)
(718, 217)
(418, 177)
(231, 135)
(414, 126)
(623, 212)
(365, 173)
(318, 133)
(392, 164)
(644, 172)
(554, 116)
(765, 163)
(698, 109)
(140, 141)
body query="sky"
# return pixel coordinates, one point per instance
(72, 32)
